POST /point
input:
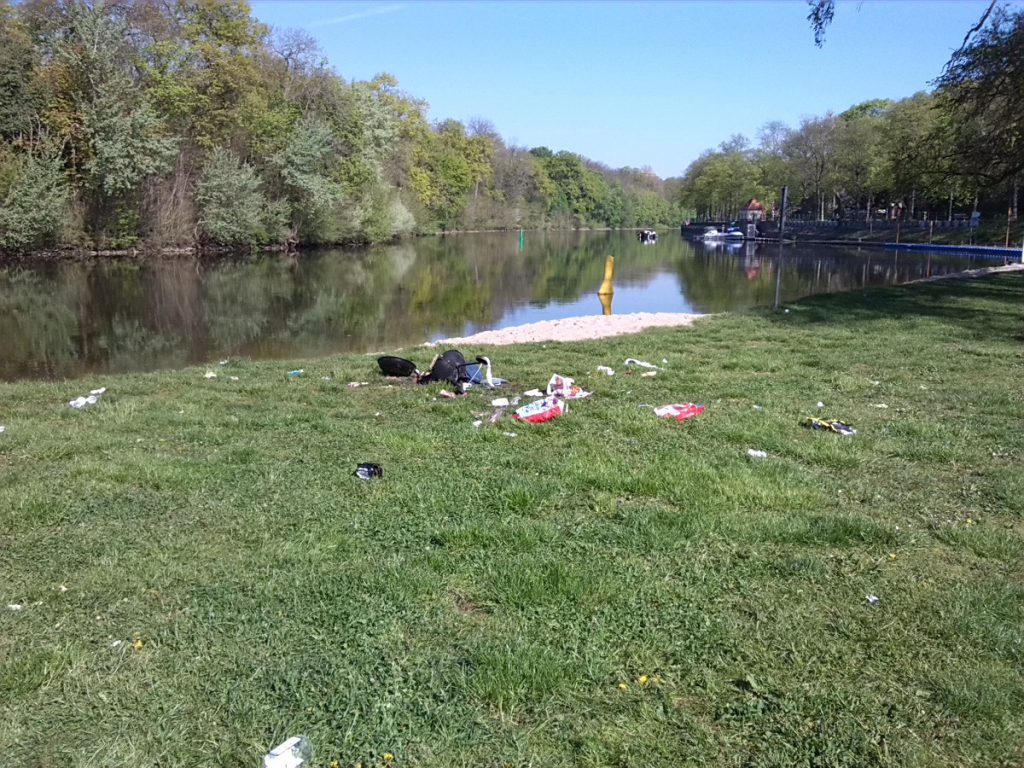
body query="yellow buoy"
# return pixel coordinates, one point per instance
(609, 273)
(606, 290)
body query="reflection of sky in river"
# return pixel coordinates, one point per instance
(661, 293)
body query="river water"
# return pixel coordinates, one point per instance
(64, 319)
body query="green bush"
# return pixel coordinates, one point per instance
(233, 209)
(34, 201)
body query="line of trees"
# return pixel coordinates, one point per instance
(162, 123)
(920, 157)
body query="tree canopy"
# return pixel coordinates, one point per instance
(171, 122)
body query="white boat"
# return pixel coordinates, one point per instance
(711, 234)
(734, 233)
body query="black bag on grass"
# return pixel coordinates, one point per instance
(396, 366)
(447, 367)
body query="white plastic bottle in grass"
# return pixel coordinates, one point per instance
(296, 752)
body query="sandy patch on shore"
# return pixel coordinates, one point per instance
(602, 326)
(574, 329)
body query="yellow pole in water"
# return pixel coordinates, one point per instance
(607, 289)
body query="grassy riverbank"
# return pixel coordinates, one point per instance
(197, 575)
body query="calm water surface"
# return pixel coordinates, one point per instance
(68, 319)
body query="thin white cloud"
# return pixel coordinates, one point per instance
(353, 16)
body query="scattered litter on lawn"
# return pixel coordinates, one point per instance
(759, 408)
(233, 378)
(664, 361)
(563, 387)
(533, 393)
(15, 606)
(879, 405)
(605, 370)
(874, 599)
(541, 410)
(830, 425)
(447, 395)
(477, 423)
(367, 471)
(649, 375)
(354, 384)
(497, 415)
(679, 411)
(874, 382)
(209, 375)
(2, 429)
(500, 401)
(639, 363)
(91, 399)
(821, 404)
(509, 434)
(754, 454)
(297, 372)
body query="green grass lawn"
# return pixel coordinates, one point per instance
(201, 576)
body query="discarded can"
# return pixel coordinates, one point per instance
(296, 752)
(297, 372)
(367, 471)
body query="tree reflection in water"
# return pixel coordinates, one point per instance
(66, 319)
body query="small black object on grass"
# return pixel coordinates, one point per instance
(368, 471)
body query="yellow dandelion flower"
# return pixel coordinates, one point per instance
(623, 686)
(643, 679)
(335, 764)
(969, 521)
(388, 757)
(892, 555)
(138, 643)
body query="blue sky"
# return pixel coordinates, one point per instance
(633, 83)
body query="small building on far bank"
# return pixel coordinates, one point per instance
(752, 212)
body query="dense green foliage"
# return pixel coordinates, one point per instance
(923, 156)
(157, 110)
(196, 574)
